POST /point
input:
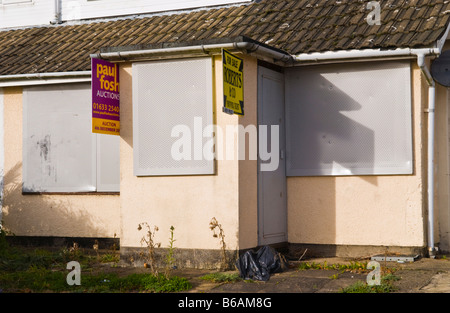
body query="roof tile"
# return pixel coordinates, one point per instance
(296, 26)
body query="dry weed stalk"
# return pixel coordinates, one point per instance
(213, 224)
(148, 239)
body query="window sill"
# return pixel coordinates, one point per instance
(94, 193)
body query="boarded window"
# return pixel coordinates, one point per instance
(352, 119)
(15, 1)
(170, 96)
(60, 153)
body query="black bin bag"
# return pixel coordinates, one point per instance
(259, 265)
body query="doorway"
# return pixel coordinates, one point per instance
(272, 201)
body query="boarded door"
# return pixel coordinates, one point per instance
(272, 204)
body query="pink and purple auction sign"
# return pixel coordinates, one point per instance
(105, 97)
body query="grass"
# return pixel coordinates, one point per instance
(362, 287)
(353, 266)
(386, 285)
(222, 277)
(44, 280)
(40, 270)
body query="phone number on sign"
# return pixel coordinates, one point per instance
(105, 107)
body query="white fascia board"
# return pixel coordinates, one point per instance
(343, 55)
(44, 78)
(364, 54)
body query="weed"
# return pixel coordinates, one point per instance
(353, 266)
(3, 244)
(111, 256)
(73, 253)
(213, 224)
(148, 239)
(335, 276)
(108, 258)
(115, 255)
(362, 287)
(95, 247)
(389, 278)
(170, 259)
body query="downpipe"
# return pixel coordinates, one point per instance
(57, 18)
(431, 138)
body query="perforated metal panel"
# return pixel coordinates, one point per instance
(60, 153)
(58, 146)
(349, 119)
(170, 95)
(108, 163)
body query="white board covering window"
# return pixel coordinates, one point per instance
(60, 152)
(14, 1)
(349, 119)
(170, 95)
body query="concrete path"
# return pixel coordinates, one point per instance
(421, 276)
(440, 283)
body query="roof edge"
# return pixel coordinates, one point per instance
(363, 54)
(193, 49)
(44, 78)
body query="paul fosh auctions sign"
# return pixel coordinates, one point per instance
(105, 97)
(233, 83)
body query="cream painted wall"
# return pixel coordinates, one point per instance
(363, 210)
(442, 217)
(248, 169)
(357, 210)
(48, 215)
(186, 202)
(442, 200)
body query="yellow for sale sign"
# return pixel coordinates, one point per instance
(233, 83)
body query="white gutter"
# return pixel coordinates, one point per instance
(57, 12)
(44, 78)
(364, 54)
(192, 51)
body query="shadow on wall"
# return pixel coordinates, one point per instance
(327, 140)
(126, 106)
(324, 143)
(42, 215)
